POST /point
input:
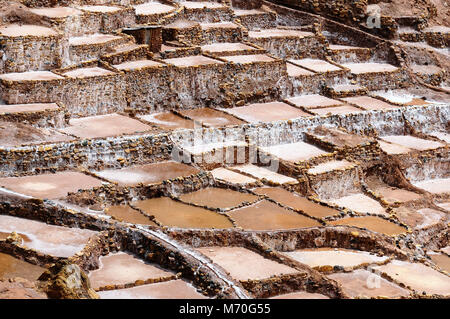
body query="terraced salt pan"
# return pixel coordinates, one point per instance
(417, 276)
(199, 149)
(334, 257)
(219, 25)
(404, 98)
(266, 215)
(201, 5)
(330, 166)
(104, 126)
(57, 12)
(244, 264)
(138, 64)
(28, 108)
(174, 289)
(48, 239)
(435, 186)
(168, 121)
(313, 101)
(369, 103)
(278, 33)
(11, 267)
(412, 142)
(128, 215)
(175, 214)
(215, 197)
(31, 76)
(266, 112)
(16, 30)
(364, 284)
(393, 149)
(441, 260)
(359, 203)
(211, 117)
(148, 174)
(372, 223)
(153, 7)
(445, 205)
(50, 186)
(100, 9)
(264, 173)
(294, 152)
(300, 295)
(316, 65)
(249, 58)
(231, 177)
(93, 39)
(194, 60)
(446, 250)
(123, 268)
(87, 73)
(392, 194)
(296, 71)
(441, 135)
(226, 47)
(361, 68)
(337, 110)
(296, 202)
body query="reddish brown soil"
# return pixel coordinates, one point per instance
(438, 11)
(19, 288)
(15, 12)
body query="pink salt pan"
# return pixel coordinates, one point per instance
(278, 33)
(244, 264)
(93, 39)
(148, 174)
(315, 65)
(360, 203)
(48, 239)
(330, 166)
(224, 47)
(313, 101)
(50, 186)
(392, 148)
(123, 268)
(364, 284)
(104, 126)
(435, 186)
(31, 76)
(369, 103)
(219, 25)
(361, 68)
(413, 142)
(152, 8)
(265, 173)
(192, 61)
(266, 112)
(28, 108)
(135, 65)
(417, 276)
(246, 59)
(201, 5)
(294, 152)
(56, 12)
(300, 295)
(174, 289)
(15, 30)
(231, 177)
(100, 9)
(296, 71)
(87, 73)
(338, 110)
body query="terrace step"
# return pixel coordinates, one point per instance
(93, 46)
(221, 32)
(110, 18)
(409, 34)
(431, 74)
(41, 115)
(256, 18)
(287, 43)
(437, 36)
(344, 90)
(152, 12)
(206, 11)
(229, 49)
(126, 52)
(347, 53)
(318, 66)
